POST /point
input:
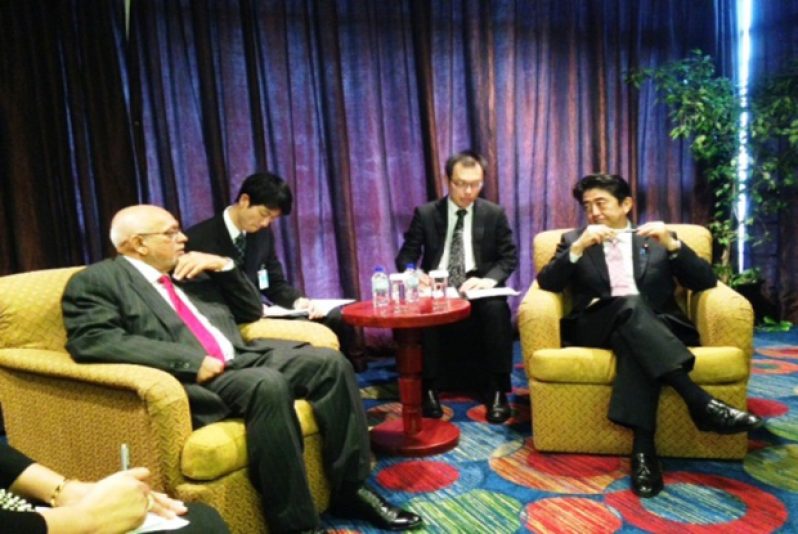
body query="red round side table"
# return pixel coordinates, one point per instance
(413, 435)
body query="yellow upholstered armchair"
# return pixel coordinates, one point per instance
(73, 417)
(570, 386)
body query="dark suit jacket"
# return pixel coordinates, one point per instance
(494, 249)
(655, 273)
(113, 315)
(211, 236)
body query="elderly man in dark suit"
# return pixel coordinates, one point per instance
(243, 232)
(470, 237)
(622, 280)
(158, 306)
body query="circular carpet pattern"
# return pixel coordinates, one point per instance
(418, 476)
(520, 414)
(767, 407)
(393, 410)
(765, 366)
(570, 514)
(711, 503)
(772, 386)
(478, 441)
(520, 463)
(475, 511)
(776, 466)
(779, 352)
(785, 426)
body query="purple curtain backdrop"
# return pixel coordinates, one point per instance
(358, 103)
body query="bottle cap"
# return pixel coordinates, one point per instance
(410, 266)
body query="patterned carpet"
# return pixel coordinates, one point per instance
(495, 482)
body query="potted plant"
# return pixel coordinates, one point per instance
(705, 108)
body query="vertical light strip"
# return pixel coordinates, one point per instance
(744, 8)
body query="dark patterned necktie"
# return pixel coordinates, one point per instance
(240, 243)
(456, 253)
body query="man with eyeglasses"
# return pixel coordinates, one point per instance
(159, 306)
(243, 232)
(471, 238)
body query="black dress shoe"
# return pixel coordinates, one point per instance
(646, 475)
(721, 418)
(498, 409)
(369, 506)
(431, 405)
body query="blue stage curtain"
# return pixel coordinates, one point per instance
(358, 103)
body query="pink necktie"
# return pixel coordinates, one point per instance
(202, 334)
(620, 281)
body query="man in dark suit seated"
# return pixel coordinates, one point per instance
(243, 232)
(158, 306)
(470, 237)
(622, 280)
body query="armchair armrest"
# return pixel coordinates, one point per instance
(539, 317)
(316, 334)
(723, 317)
(73, 416)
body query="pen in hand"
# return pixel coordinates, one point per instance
(125, 453)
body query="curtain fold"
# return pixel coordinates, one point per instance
(357, 104)
(66, 152)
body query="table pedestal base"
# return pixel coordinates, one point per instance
(436, 436)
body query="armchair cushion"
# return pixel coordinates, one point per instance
(584, 365)
(221, 448)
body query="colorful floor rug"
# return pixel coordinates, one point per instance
(495, 482)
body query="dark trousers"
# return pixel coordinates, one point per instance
(646, 346)
(261, 388)
(487, 333)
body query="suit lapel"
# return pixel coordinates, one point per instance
(477, 231)
(595, 255)
(440, 216)
(223, 237)
(160, 309)
(640, 256)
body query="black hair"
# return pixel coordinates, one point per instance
(468, 158)
(267, 189)
(614, 184)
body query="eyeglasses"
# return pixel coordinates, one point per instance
(466, 185)
(172, 233)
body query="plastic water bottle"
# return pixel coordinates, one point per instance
(411, 284)
(380, 296)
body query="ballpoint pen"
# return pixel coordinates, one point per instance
(125, 454)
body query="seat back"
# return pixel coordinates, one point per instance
(30, 309)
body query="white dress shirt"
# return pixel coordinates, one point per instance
(468, 247)
(151, 274)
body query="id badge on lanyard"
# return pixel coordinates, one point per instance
(263, 278)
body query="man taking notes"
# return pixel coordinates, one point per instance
(242, 232)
